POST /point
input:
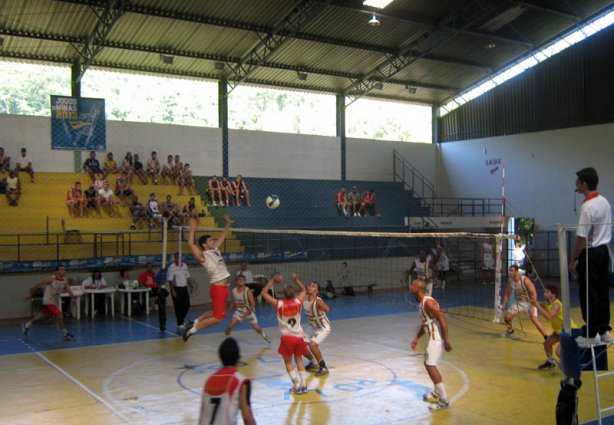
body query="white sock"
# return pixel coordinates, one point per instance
(303, 376)
(29, 324)
(441, 391)
(294, 378)
(64, 331)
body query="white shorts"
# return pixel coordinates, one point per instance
(525, 306)
(489, 262)
(317, 335)
(251, 319)
(434, 351)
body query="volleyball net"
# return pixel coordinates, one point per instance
(466, 268)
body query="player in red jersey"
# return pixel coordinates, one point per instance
(226, 391)
(289, 319)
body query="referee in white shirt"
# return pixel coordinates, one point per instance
(591, 259)
(179, 279)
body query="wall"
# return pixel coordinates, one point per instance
(251, 153)
(540, 170)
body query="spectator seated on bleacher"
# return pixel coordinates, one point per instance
(227, 190)
(186, 179)
(92, 166)
(241, 192)
(368, 204)
(139, 169)
(5, 161)
(128, 165)
(153, 167)
(177, 169)
(110, 166)
(12, 188)
(139, 215)
(92, 200)
(189, 210)
(153, 209)
(215, 191)
(123, 188)
(167, 170)
(75, 201)
(107, 198)
(24, 163)
(170, 211)
(354, 199)
(342, 203)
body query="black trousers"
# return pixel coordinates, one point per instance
(596, 306)
(181, 302)
(160, 294)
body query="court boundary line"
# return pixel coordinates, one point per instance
(84, 388)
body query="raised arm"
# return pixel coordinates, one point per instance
(191, 244)
(265, 291)
(224, 233)
(303, 292)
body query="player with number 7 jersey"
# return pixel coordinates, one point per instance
(292, 344)
(226, 392)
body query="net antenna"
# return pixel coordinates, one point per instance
(164, 240)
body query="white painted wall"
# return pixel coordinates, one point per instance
(372, 159)
(540, 170)
(297, 156)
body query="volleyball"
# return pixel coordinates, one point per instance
(272, 201)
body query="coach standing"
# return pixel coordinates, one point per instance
(179, 279)
(591, 259)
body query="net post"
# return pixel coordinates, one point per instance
(564, 276)
(164, 239)
(498, 260)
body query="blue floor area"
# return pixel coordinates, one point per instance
(45, 336)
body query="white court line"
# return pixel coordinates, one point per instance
(84, 388)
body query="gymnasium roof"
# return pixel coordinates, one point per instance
(422, 50)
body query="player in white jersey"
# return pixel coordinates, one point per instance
(292, 344)
(317, 329)
(435, 326)
(524, 291)
(208, 253)
(226, 392)
(52, 288)
(245, 308)
(424, 269)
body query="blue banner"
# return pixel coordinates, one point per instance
(78, 123)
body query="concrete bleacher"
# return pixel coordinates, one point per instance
(309, 204)
(33, 230)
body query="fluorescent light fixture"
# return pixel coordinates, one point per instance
(220, 66)
(301, 76)
(378, 4)
(374, 22)
(529, 61)
(167, 60)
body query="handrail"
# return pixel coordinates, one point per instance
(417, 182)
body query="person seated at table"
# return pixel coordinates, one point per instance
(96, 281)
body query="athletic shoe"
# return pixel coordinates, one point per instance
(24, 329)
(322, 371)
(606, 337)
(312, 366)
(508, 332)
(186, 332)
(584, 342)
(68, 337)
(547, 365)
(298, 391)
(440, 405)
(430, 397)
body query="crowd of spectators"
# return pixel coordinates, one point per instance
(10, 185)
(354, 204)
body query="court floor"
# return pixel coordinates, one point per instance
(124, 371)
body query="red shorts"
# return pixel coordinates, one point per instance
(292, 346)
(51, 310)
(218, 294)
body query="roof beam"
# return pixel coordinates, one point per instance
(245, 26)
(392, 65)
(400, 15)
(300, 15)
(549, 10)
(107, 17)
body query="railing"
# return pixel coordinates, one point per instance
(472, 207)
(413, 179)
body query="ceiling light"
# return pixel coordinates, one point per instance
(301, 75)
(167, 60)
(378, 4)
(412, 89)
(374, 22)
(490, 45)
(378, 86)
(503, 19)
(220, 66)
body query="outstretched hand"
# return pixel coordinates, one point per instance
(194, 223)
